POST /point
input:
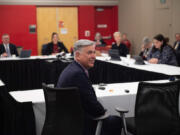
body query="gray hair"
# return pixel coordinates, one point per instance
(98, 35)
(82, 43)
(5, 35)
(117, 33)
(146, 41)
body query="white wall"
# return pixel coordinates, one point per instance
(139, 18)
(176, 17)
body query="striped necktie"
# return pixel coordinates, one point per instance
(7, 50)
(177, 44)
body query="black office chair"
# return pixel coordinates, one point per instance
(156, 110)
(16, 118)
(64, 114)
(43, 50)
(178, 57)
(19, 49)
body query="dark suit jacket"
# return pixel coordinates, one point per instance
(123, 50)
(12, 48)
(49, 48)
(74, 75)
(178, 48)
(103, 44)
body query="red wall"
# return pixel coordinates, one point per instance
(15, 21)
(86, 21)
(109, 17)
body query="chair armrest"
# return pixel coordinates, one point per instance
(100, 121)
(121, 110)
(102, 117)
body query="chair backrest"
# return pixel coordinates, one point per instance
(15, 118)
(178, 57)
(156, 109)
(43, 50)
(19, 49)
(64, 114)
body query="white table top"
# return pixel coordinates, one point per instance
(36, 96)
(1, 83)
(113, 96)
(30, 58)
(158, 68)
(68, 55)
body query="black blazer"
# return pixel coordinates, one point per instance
(12, 48)
(49, 48)
(123, 50)
(178, 48)
(103, 43)
(74, 75)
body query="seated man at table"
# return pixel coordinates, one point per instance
(76, 74)
(55, 46)
(6, 48)
(177, 42)
(126, 41)
(145, 48)
(99, 41)
(123, 50)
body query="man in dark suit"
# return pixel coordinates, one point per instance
(7, 49)
(76, 74)
(177, 47)
(177, 42)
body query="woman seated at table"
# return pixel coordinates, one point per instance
(99, 41)
(123, 50)
(161, 53)
(55, 46)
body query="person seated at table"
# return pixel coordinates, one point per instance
(6, 48)
(161, 53)
(126, 41)
(76, 75)
(99, 41)
(146, 47)
(123, 50)
(177, 42)
(55, 46)
(177, 47)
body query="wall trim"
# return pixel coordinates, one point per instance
(59, 2)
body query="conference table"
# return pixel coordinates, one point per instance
(1, 83)
(127, 71)
(30, 73)
(23, 73)
(114, 95)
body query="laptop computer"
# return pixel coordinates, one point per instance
(139, 60)
(25, 53)
(114, 54)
